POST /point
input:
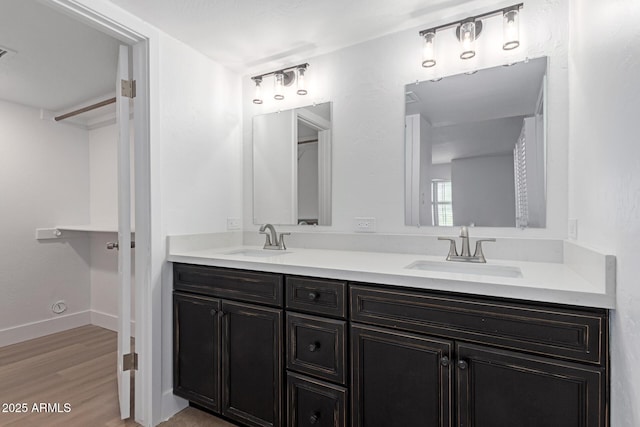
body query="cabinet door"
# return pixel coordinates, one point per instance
(252, 364)
(315, 403)
(498, 388)
(399, 379)
(196, 349)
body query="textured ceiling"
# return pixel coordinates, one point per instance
(252, 35)
(59, 63)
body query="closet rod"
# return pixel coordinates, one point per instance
(85, 109)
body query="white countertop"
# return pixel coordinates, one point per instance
(540, 281)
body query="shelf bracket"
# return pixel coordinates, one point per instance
(48, 233)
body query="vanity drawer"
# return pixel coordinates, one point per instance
(317, 347)
(568, 333)
(327, 297)
(312, 403)
(265, 288)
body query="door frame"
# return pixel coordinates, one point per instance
(129, 30)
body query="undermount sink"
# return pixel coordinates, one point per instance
(466, 268)
(257, 252)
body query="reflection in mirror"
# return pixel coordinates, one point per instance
(475, 148)
(292, 166)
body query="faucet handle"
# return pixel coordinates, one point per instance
(281, 244)
(452, 247)
(478, 253)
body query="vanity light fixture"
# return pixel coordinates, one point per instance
(511, 28)
(278, 86)
(281, 79)
(257, 99)
(468, 30)
(428, 52)
(302, 88)
(467, 34)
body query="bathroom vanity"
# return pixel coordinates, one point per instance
(267, 341)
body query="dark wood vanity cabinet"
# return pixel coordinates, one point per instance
(355, 354)
(400, 379)
(497, 388)
(317, 352)
(228, 354)
(196, 357)
(473, 362)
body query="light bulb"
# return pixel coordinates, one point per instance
(428, 52)
(468, 39)
(302, 88)
(257, 98)
(511, 29)
(279, 86)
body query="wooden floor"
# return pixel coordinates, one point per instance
(75, 367)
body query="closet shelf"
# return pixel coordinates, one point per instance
(58, 231)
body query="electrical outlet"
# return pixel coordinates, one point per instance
(59, 307)
(364, 224)
(233, 223)
(573, 229)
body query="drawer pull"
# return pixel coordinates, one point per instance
(314, 346)
(313, 296)
(314, 418)
(462, 364)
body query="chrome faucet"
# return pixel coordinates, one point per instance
(465, 255)
(272, 240)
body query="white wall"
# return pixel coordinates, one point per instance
(482, 190)
(201, 122)
(44, 181)
(366, 85)
(605, 171)
(200, 152)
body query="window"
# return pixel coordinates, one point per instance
(441, 202)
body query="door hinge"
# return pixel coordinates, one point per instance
(130, 362)
(128, 88)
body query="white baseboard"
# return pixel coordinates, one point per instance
(171, 405)
(40, 328)
(28, 331)
(108, 321)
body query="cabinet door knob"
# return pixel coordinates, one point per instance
(314, 346)
(213, 311)
(444, 361)
(462, 364)
(314, 418)
(221, 313)
(313, 296)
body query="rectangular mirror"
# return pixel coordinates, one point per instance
(475, 148)
(292, 166)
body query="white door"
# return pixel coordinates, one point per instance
(124, 236)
